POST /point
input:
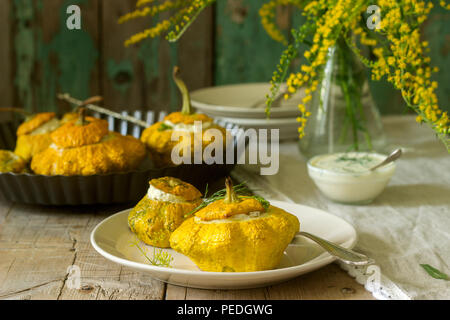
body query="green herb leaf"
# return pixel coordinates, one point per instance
(206, 191)
(240, 189)
(164, 127)
(160, 257)
(435, 273)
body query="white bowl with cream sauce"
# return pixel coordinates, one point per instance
(346, 178)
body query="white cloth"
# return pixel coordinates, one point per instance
(407, 225)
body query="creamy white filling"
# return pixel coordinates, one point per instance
(47, 127)
(352, 162)
(158, 195)
(59, 149)
(236, 218)
(187, 127)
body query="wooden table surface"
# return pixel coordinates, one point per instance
(38, 245)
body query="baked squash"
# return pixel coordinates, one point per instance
(162, 210)
(158, 137)
(86, 147)
(33, 136)
(236, 234)
(10, 162)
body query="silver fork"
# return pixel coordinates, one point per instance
(345, 255)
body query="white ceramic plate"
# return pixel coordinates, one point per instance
(242, 101)
(288, 126)
(112, 238)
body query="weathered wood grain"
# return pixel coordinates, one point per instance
(66, 60)
(328, 283)
(244, 52)
(129, 75)
(50, 58)
(139, 76)
(38, 244)
(225, 45)
(181, 293)
(196, 52)
(6, 82)
(105, 280)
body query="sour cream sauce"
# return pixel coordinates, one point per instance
(346, 178)
(352, 162)
(187, 127)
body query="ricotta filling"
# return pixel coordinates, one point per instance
(47, 127)
(60, 150)
(159, 195)
(183, 127)
(236, 218)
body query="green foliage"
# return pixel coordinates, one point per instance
(435, 273)
(160, 258)
(241, 190)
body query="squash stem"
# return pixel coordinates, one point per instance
(81, 117)
(186, 109)
(231, 196)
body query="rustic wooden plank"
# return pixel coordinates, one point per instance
(102, 279)
(182, 293)
(67, 60)
(6, 62)
(328, 283)
(38, 244)
(52, 57)
(5, 209)
(436, 30)
(196, 51)
(247, 294)
(32, 274)
(135, 77)
(35, 252)
(24, 52)
(139, 77)
(244, 52)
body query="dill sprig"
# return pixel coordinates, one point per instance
(240, 189)
(360, 160)
(164, 127)
(160, 257)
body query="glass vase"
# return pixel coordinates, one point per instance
(344, 116)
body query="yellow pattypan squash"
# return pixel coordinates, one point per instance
(10, 162)
(236, 234)
(158, 137)
(86, 147)
(162, 210)
(33, 136)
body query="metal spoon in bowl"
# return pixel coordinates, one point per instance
(345, 255)
(397, 153)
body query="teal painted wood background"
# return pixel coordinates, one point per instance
(40, 57)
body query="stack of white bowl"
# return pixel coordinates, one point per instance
(244, 105)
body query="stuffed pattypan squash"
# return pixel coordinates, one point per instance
(33, 136)
(236, 234)
(162, 210)
(158, 137)
(86, 147)
(10, 162)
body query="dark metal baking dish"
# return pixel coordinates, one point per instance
(108, 188)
